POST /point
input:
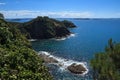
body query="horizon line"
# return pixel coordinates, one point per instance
(65, 17)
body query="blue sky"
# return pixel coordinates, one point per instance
(60, 8)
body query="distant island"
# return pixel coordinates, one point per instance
(94, 18)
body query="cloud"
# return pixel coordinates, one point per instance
(58, 14)
(31, 14)
(1, 3)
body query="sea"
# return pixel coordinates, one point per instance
(88, 38)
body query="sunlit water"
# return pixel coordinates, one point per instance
(91, 36)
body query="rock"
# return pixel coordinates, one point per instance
(51, 60)
(76, 68)
(48, 59)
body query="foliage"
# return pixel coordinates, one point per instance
(106, 65)
(68, 24)
(17, 60)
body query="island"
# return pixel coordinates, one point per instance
(45, 28)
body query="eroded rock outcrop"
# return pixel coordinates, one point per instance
(77, 68)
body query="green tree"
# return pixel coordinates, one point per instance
(106, 65)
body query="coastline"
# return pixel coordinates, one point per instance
(64, 38)
(62, 63)
(57, 38)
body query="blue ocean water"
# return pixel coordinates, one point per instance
(91, 36)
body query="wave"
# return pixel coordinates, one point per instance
(64, 38)
(64, 63)
(72, 35)
(57, 39)
(32, 40)
(60, 39)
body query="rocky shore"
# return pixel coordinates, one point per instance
(72, 66)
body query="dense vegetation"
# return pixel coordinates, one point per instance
(44, 28)
(68, 24)
(106, 65)
(17, 60)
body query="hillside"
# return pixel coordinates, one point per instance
(18, 60)
(45, 28)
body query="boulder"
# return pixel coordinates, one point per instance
(76, 68)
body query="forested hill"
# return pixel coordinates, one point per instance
(17, 60)
(45, 28)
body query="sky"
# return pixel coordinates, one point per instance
(60, 8)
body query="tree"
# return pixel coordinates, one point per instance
(106, 65)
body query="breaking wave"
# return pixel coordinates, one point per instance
(64, 38)
(64, 63)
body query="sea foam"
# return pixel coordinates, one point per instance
(64, 38)
(32, 40)
(64, 63)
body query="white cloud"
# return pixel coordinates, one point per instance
(31, 14)
(1, 3)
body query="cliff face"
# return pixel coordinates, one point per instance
(44, 28)
(1, 16)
